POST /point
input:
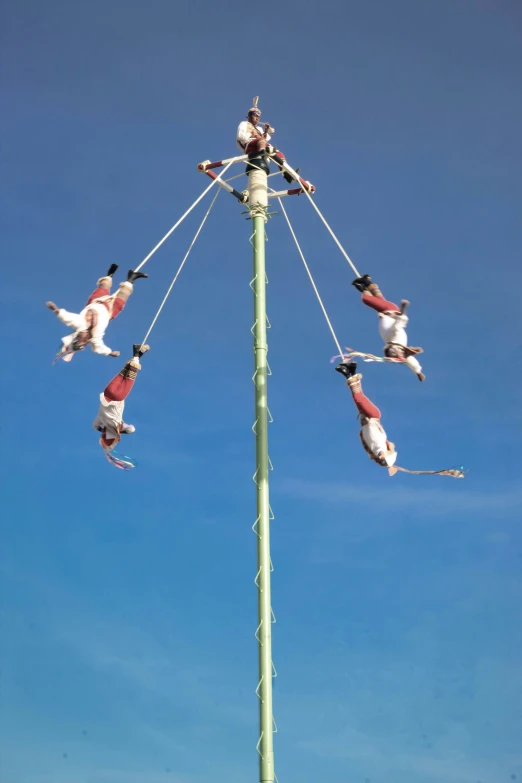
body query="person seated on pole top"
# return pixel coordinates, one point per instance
(90, 324)
(252, 138)
(392, 324)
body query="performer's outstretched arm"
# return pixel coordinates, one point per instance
(98, 346)
(74, 320)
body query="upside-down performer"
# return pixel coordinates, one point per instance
(109, 421)
(392, 324)
(253, 138)
(90, 324)
(372, 434)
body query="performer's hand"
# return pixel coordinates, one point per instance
(266, 127)
(114, 353)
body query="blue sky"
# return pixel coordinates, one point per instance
(127, 600)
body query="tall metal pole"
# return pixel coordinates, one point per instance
(258, 202)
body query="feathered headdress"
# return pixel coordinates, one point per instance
(254, 106)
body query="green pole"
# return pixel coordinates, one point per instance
(258, 205)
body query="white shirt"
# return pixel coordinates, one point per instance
(374, 436)
(102, 321)
(392, 328)
(110, 416)
(245, 133)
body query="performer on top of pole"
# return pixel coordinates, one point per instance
(253, 138)
(392, 324)
(90, 324)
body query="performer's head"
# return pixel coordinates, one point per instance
(394, 351)
(254, 114)
(81, 340)
(107, 445)
(388, 458)
(391, 455)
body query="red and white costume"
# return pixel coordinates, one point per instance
(392, 328)
(373, 435)
(101, 308)
(248, 136)
(109, 420)
(253, 139)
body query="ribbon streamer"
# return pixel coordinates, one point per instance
(63, 353)
(452, 472)
(367, 357)
(120, 460)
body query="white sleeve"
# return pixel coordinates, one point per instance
(98, 346)
(243, 134)
(414, 364)
(75, 320)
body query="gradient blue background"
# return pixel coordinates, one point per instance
(128, 605)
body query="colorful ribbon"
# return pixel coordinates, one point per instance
(120, 460)
(367, 357)
(64, 353)
(452, 472)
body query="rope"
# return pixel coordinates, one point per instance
(236, 176)
(174, 227)
(341, 248)
(312, 202)
(311, 278)
(180, 268)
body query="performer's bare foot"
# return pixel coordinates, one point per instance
(114, 353)
(421, 376)
(52, 306)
